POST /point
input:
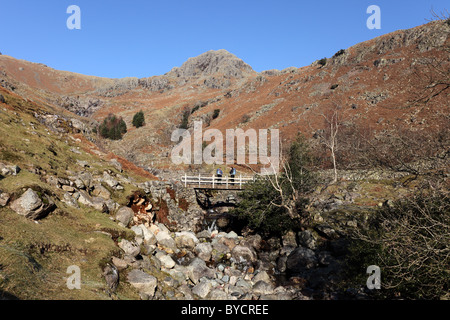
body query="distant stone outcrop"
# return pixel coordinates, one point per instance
(213, 63)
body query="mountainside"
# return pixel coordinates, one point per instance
(116, 211)
(377, 84)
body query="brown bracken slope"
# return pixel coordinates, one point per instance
(380, 84)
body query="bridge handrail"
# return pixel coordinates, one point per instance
(215, 180)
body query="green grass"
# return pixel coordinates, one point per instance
(34, 257)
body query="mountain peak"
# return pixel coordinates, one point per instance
(213, 62)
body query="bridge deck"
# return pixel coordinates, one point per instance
(215, 182)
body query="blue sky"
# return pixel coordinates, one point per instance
(141, 38)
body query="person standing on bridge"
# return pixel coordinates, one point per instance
(219, 174)
(232, 174)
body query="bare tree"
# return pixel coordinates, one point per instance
(328, 137)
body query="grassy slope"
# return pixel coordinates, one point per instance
(34, 257)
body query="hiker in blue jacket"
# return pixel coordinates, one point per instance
(219, 174)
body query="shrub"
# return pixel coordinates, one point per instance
(185, 118)
(339, 53)
(408, 240)
(138, 119)
(322, 61)
(274, 204)
(216, 113)
(113, 127)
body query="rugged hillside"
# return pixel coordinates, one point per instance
(69, 197)
(377, 84)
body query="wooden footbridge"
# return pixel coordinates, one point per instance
(215, 182)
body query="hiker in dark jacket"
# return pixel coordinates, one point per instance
(232, 173)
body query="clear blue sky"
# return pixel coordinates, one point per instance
(142, 38)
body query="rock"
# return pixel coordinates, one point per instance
(202, 289)
(281, 264)
(203, 251)
(185, 240)
(9, 170)
(232, 235)
(85, 199)
(4, 198)
(116, 164)
(124, 216)
(254, 241)
(111, 275)
(2, 98)
(220, 251)
(243, 254)
(327, 231)
(301, 259)
(165, 240)
(101, 191)
(261, 288)
(99, 204)
(288, 239)
(197, 269)
(325, 258)
(204, 234)
(263, 275)
(85, 179)
(142, 281)
(68, 189)
(129, 248)
(186, 291)
(217, 294)
(120, 264)
(70, 201)
(110, 181)
(31, 206)
(166, 261)
(307, 239)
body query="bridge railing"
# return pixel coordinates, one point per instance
(215, 181)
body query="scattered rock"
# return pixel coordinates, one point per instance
(145, 283)
(124, 216)
(129, 247)
(307, 239)
(301, 259)
(203, 251)
(243, 254)
(202, 289)
(32, 206)
(262, 288)
(111, 275)
(6, 170)
(4, 198)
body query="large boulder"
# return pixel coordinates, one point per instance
(32, 206)
(197, 269)
(101, 191)
(165, 240)
(130, 248)
(185, 240)
(145, 283)
(307, 239)
(9, 169)
(301, 259)
(243, 254)
(124, 216)
(203, 251)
